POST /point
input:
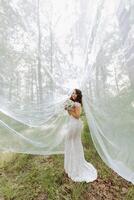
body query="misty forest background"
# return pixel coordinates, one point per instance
(33, 58)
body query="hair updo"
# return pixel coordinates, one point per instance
(79, 96)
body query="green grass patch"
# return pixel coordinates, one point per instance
(35, 177)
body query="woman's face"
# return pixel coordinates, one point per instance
(74, 95)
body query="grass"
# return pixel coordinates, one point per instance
(36, 177)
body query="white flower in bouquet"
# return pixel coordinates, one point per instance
(69, 104)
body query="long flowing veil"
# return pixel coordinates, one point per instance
(48, 48)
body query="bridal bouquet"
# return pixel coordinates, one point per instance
(69, 104)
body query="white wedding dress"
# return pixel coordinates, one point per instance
(75, 165)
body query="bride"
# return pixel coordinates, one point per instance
(75, 165)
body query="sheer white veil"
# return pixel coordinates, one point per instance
(48, 48)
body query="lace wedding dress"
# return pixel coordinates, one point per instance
(75, 165)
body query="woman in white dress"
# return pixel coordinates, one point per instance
(75, 165)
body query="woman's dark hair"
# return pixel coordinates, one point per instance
(79, 96)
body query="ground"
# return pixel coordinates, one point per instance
(37, 177)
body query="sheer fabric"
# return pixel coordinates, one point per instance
(48, 48)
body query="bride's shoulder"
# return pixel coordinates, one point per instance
(77, 104)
